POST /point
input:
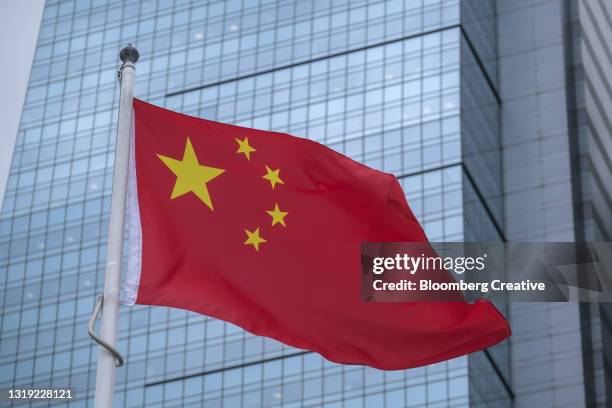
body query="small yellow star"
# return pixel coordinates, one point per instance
(254, 239)
(273, 176)
(278, 216)
(245, 148)
(191, 176)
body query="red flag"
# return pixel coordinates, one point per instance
(264, 230)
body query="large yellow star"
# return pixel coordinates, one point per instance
(278, 216)
(273, 176)
(254, 239)
(191, 176)
(245, 148)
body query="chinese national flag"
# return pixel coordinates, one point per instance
(264, 230)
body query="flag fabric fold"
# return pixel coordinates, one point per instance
(264, 230)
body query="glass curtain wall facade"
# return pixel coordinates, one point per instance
(403, 86)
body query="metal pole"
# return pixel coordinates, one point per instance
(105, 377)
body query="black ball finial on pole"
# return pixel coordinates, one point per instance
(129, 54)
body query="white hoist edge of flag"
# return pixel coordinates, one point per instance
(134, 255)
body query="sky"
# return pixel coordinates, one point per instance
(19, 24)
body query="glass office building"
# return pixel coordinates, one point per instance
(407, 87)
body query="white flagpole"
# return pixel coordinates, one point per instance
(105, 377)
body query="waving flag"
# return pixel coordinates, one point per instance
(263, 230)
